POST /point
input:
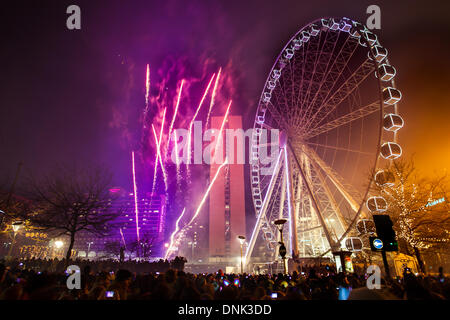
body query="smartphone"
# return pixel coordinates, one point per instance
(157, 272)
(236, 282)
(109, 294)
(274, 295)
(225, 282)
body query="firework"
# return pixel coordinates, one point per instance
(195, 115)
(123, 239)
(176, 108)
(174, 233)
(207, 192)
(159, 156)
(213, 96)
(219, 139)
(147, 86)
(135, 196)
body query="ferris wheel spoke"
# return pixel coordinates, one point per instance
(331, 199)
(314, 62)
(320, 70)
(314, 201)
(351, 195)
(341, 121)
(337, 148)
(333, 74)
(275, 114)
(351, 83)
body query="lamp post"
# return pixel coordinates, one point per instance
(241, 241)
(280, 223)
(15, 226)
(89, 248)
(58, 244)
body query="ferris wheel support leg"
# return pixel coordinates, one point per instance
(262, 213)
(332, 176)
(314, 201)
(331, 198)
(293, 236)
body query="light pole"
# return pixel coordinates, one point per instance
(279, 223)
(89, 248)
(15, 227)
(241, 241)
(58, 244)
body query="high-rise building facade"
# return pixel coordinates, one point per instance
(151, 223)
(227, 197)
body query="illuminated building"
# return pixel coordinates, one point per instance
(151, 215)
(226, 201)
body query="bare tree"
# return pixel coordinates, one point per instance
(71, 200)
(112, 248)
(418, 224)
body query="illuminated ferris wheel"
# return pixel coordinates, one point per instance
(331, 95)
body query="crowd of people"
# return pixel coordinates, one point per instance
(131, 280)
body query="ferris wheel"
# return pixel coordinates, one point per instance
(331, 98)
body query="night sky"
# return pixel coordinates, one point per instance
(76, 96)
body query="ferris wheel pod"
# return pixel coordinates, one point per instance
(379, 52)
(376, 204)
(314, 30)
(334, 24)
(345, 25)
(266, 97)
(365, 226)
(393, 122)
(384, 178)
(354, 244)
(268, 235)
(391, 150)
(288, 53)
(276, 74)
(324, 23)
(271, 84)
(387, 72)
(296, 44)
(354, 33)
(370, 37)
(304, 36)
(391, 95)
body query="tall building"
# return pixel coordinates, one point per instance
(227, 198)
(151, 222)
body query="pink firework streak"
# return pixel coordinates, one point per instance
(123, 239)
(176, 108)
(147, 85)
(195, 115)
(147, 95)
(135, 196)
(158, 154)
(213, 97)
(207, 192)
(174, 233)
(219, 139)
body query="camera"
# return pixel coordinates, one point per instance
(274, 295)
(109, 294)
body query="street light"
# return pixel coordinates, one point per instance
(15, 226)
(280, 223)
(89, 248)
(241, 241)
